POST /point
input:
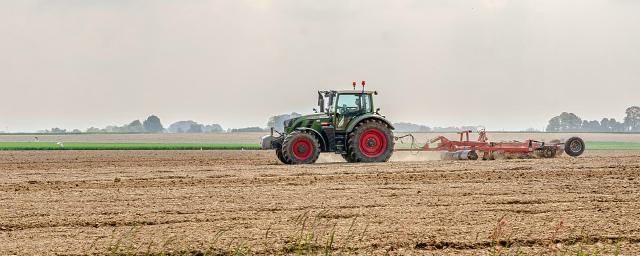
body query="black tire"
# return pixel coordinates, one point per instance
(347, 158)
(574, 146)
(300, 148)
(549, 152)
(473, 155)
(370, 141)
(486, 155)
(280, 156)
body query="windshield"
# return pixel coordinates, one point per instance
(353, 103)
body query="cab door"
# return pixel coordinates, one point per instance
(349, 106)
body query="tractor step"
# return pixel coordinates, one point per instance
(341, 142)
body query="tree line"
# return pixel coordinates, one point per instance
(153, 125)
(570, 122)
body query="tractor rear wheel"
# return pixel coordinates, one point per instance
(300, 148)
(574, 146)
(370, 141)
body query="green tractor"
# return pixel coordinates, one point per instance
(346, 124)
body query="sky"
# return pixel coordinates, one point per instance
(507, 65)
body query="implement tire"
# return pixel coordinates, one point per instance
(300, 148)
(370, 141)
(574, 146)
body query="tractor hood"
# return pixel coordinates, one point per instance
(305, 121)
(315, 116)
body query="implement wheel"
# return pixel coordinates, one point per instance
(300, 148)
(370, 141)
(549, 152)
(574, 146)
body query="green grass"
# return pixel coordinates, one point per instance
(611, 145)
(122, 146)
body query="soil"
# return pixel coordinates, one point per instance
(101, 202)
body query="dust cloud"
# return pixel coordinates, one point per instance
(401, 156)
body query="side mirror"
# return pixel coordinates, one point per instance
(315, 110)
(378, 111)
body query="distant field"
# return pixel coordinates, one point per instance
(191, 138)
(121, 146)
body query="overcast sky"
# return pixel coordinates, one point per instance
(504, 64)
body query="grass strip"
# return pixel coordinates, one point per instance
(612, 145)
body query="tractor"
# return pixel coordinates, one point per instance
(346, 123)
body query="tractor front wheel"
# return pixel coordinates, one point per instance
(300, 148)
(370, 141)
(347, 158)
(280, 156)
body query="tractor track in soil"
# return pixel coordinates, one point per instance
(81, 202)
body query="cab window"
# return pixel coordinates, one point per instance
(353, 103)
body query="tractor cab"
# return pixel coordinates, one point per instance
(345, 124)
(343, 106)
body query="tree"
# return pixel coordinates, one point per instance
(277, 122)
(615, 125)
(632, 120)
(152, 124)
(134, 126)
(57, 130)
(213, 128)
(93, 129)
(248, 129)
(605, 125)
(195, 128)
(181, 126)
(411, 127)
(185, 126)
(591, 126)
(554, 124)
(565, 122)
(570, 122)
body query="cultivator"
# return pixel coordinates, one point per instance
(465, 149)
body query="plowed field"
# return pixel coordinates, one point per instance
(104, 202)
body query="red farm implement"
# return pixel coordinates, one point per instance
(465, 149)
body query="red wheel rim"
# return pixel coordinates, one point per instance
(302, 149)
(373, 143)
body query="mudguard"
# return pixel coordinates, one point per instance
(323, 142)
(357, 120)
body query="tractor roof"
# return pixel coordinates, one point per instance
(355, 92)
